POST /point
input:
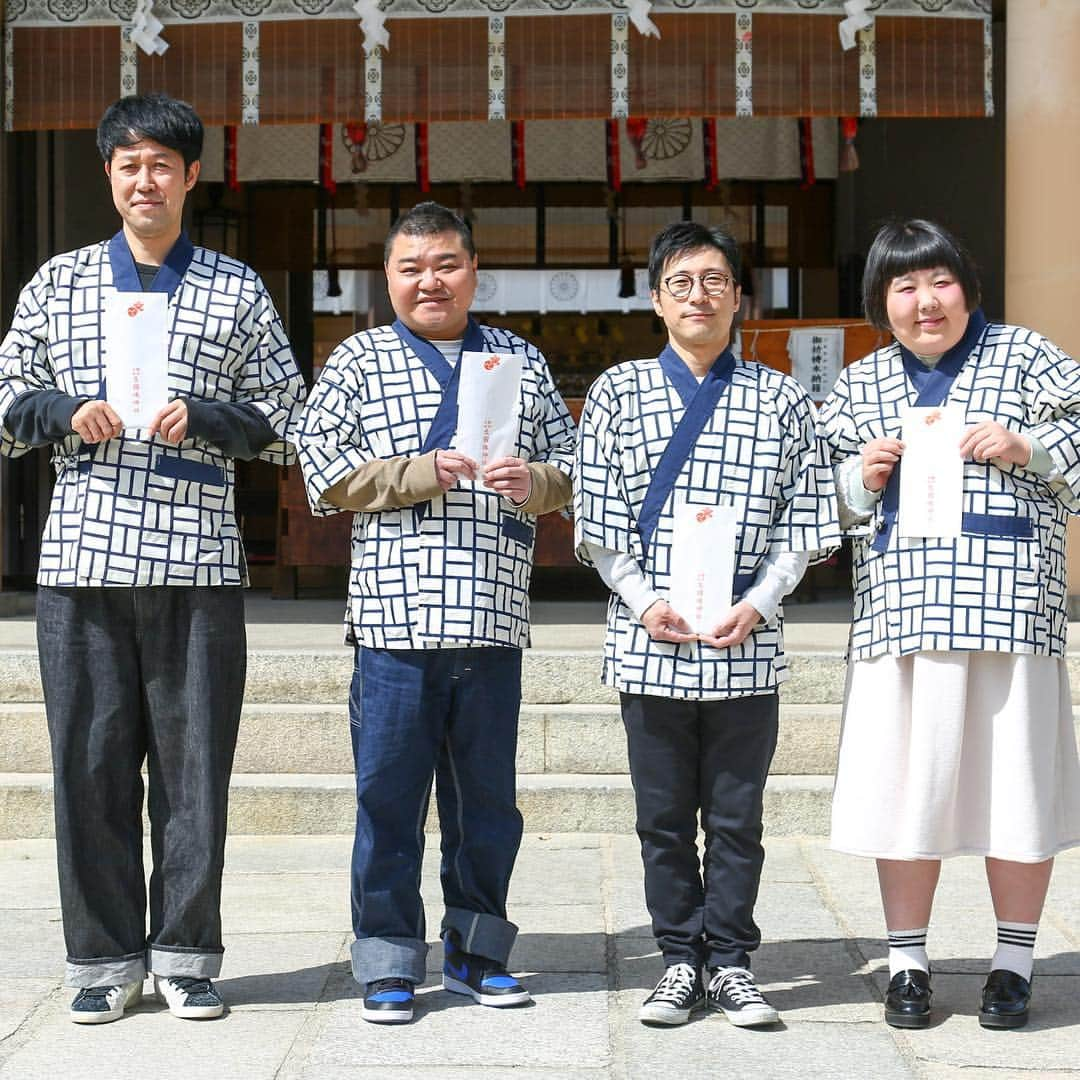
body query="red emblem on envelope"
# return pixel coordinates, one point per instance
(704, 515)
(135, 308)
(491, 363)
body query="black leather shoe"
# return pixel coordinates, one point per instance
(907, 1001)
(1005, 1000)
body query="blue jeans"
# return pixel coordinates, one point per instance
(154, 674)
(415, 715)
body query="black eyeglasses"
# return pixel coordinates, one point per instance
(680, 286)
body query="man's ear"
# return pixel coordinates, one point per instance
(192, 175)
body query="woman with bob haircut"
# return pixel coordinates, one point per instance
(957, 735)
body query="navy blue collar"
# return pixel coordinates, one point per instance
(432, 356)
(685, 381)
(952, 360)
(168, 278)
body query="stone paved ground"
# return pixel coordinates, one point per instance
(586, 949)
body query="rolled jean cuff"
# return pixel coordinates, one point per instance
(388, 958)
(173, 961)
(482, 935)
(81, 974)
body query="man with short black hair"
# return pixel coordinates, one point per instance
(140, 612)
(438, 611)
(696, 427)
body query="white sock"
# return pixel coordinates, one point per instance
(907, 951)
(1015, 947)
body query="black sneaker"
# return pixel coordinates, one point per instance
(388, 1001)
(733, 992)
(189, 998)
(675, 997)
(103, 1004)
(483, 980)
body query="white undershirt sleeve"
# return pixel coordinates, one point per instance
(622, 575)
(778, 575)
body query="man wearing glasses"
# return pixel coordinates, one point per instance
(696, 427)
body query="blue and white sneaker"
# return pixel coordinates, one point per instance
(388, 1001)
(485, 981)
(189, 998)
(103, 1004)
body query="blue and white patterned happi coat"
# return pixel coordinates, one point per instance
(758, 452)
(129, 512)
(453, 572)
(981, 591)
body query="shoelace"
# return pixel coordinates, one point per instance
(380, 985)
(190, 985)
(739, 985)
(98, 991)
(676, 984)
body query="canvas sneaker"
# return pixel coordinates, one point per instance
(733, 992)
(484, 980)
(388, 1001)
(188, 998)
(103, 1004)
(675, 997)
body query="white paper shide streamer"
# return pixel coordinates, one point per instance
(146, 29)
(638, 10)
(373, 24)
(857, 19)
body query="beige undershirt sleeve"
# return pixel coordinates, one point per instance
(386, 484)
(551, 489)
(390, 483)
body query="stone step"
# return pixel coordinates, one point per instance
(549, 677)
(310, 804)
(585, 739)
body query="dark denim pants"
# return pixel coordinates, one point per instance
(712, 758)
(134, 674)
(416, 714)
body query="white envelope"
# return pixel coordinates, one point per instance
(488, 406)
(932, 476)
(703, 564)
(135, 327)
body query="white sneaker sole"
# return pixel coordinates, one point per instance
(386, 1016)
(97, 1017)
(496, 1001)
(666, 1014)
(749, 1017)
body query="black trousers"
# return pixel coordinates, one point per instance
(707, 758)
(152, 674)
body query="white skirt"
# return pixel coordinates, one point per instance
(957, 753)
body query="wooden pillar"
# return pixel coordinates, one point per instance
(1042, 212)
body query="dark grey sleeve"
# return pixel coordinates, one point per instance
(239, 430)
(40, 417)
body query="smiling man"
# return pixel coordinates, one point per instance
(140, 612)
(438, 612)
(697, 426)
